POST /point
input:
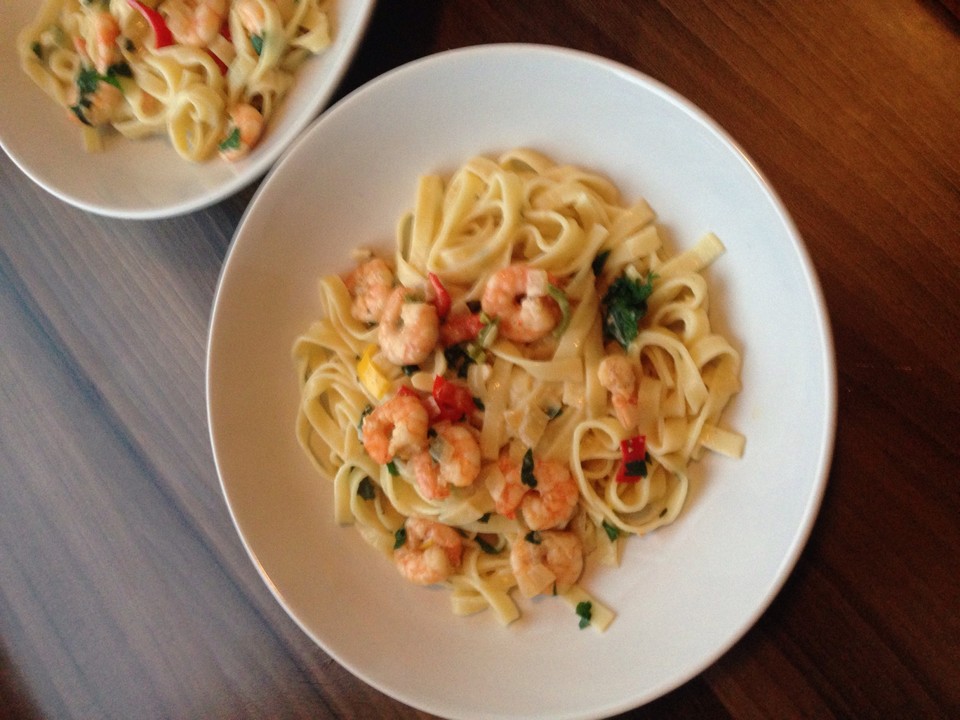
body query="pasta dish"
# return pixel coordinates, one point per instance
(208, 73)
(520, 386)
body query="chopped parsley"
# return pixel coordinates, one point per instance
(612, 531)
(598, 262)
(585, 611)
(366, 489)
(257, 42)
(526, 470)
(624, 305)
(231, 141)
(399, 538)
(409, 370)
(487, 547)
(392, 468)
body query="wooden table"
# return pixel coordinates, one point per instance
(124, 589)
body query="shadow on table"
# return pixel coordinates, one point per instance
(398, 33)
(15, 702)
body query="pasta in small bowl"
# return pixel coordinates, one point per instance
(151, 108)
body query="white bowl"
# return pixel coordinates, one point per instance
(146, 178)
(685, 593)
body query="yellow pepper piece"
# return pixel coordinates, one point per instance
(370, 375)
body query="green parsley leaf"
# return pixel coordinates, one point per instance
(526, 470)
(399, 538)
(87, 81)
(585, 611)
(598, 262)
(409, 370)
(231, 141)
(624, 305)
(612, 531)
(257, 42)
(78, 111)
(487, 547)
(636, 468)
(392, 468)
(366, 489)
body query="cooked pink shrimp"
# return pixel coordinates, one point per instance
(618, 375)
(94, 108)
(409, 328)
(551, 502)
(517, 296)
(194, 22)
(370, 284)
(397, 428)
(243, 131)
(505, 487)
(430, 553)
(547, 502)
(106, 30)
(546, 562)
(453, 458)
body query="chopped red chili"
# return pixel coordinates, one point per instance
(633, 465)
(161, 33)
(454, 401)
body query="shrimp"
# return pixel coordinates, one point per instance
(551, 502)
(505, 488)
(549, 561)
(517, 296)
(397, 428)
(617, 374)
(194, 22)
(106, 30)
(409, 328)
(243, 131)
(370, 285)
(548, 501)
(430, 553)
(453, 458)
(94, 108)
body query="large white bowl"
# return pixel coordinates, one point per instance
(147, 179)
(684, 594)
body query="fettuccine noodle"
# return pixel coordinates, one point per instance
(522, 385)
(208, 73)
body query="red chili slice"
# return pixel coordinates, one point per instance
(161, 33)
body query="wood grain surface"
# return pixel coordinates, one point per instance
(124, 589)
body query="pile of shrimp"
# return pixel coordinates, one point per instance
(441, 455)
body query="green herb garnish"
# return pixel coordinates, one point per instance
(392, 468)
(366, 489)
(624, 305)
(231, 141)
(612, 531)
(585, 611)
(533, 537)
(257, 42)
(598, 262)
(399, 538)
(487, 547)
(526, 469)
